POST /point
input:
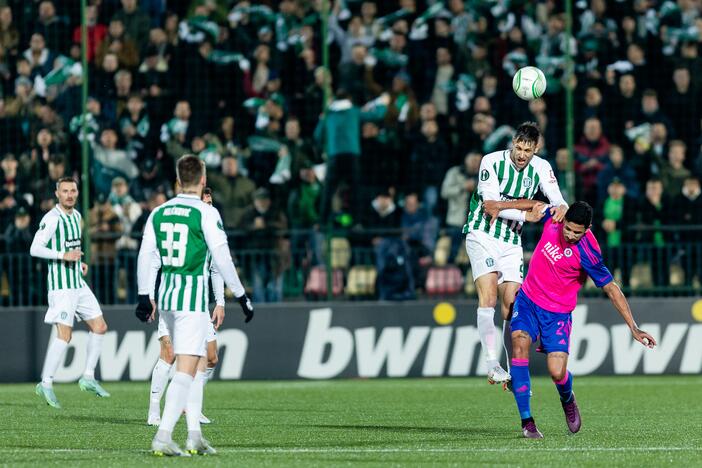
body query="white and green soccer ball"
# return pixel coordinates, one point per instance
(529, 83)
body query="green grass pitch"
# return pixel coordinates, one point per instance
(642, 421)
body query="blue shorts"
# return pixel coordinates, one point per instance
(553, 329)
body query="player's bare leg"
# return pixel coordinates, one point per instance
(558, 368)
(87, 382)
(196, 443)
(159, 379)
(54, 357)
(521, 382)
(486, 286)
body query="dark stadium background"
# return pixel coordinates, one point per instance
(244, 86)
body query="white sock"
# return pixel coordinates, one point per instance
(488, 334)
(209, 373)
(54, 357)
(176, 399)
(194, 406)
(94, 348)
(159, 381)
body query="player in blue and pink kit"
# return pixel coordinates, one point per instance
(565, 256)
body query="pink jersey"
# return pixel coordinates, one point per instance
(558, 269)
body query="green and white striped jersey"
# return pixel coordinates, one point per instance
(58, 233)
(500, 180)
(183, 231)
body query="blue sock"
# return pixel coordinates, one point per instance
(565, 387)
(521, 386)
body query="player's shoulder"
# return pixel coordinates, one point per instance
(540, 163)
(50, 217)
(588, 244)
(496, 156)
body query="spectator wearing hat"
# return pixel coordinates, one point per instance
(264, 224)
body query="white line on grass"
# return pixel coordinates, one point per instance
(381, 450)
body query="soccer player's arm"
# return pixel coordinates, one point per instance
(148, 261)
(217, 244)
(592, 263)
(42, 237)
(217, 285)
(489, 190)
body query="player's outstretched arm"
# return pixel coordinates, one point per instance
(515, 210)
(620, 303)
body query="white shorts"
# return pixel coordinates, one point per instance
(65, 304)
(488, 255)
(163, 330)
(188, 331)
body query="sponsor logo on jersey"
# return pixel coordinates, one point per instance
(552, 252)
(71, 243)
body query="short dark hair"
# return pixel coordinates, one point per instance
(528, 132)
(189, 170)
(66, 180)
(579, 213)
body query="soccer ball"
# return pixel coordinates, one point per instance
(529, 83)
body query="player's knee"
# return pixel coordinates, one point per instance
(100, 328)
(558, 375)
(488, 300)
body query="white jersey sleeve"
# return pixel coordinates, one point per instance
(47, 228)
(488, 184)
(149, 260)
(216, 239)
(217, 285)
(549, 184)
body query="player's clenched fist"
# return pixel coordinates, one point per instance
(72, 255)
(246, 307)
(145, 309)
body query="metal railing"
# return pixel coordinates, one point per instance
(364, 264)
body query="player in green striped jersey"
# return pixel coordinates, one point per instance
(58, 240)
(181, 237)
(510, 179)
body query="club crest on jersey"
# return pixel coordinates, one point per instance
(568, 252)
(484, 175)
(527, 182)
(490, 262)
(64, 315)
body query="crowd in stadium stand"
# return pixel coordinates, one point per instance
(420, 90)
